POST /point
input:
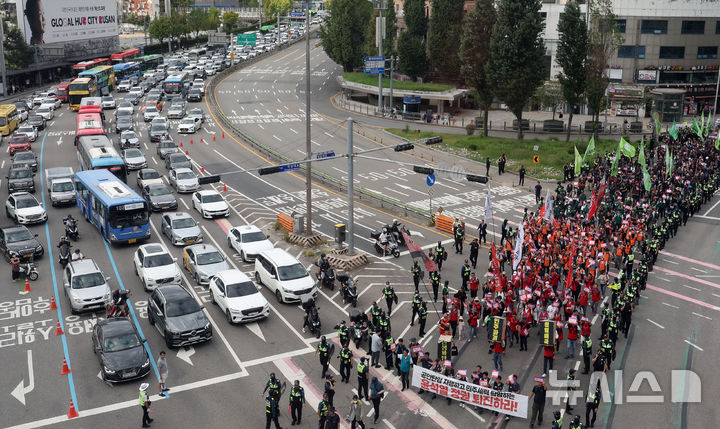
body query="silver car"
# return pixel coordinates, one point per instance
(203, 261)
(184, 180)
(85, 286)
(181, 229)
(134, 159)
(176, 111)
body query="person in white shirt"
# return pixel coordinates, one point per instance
(77, 255)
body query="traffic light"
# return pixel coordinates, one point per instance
(206, 180)
(404, 147)
(423, 170)
(433, 140)
(269, 170)
(475, 178)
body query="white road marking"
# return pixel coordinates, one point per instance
(398, 192)
(698, 269)
(261, 127)
(690, 287)
(701, 315)
(694, 345)
(670, 305)
(277, 138)
(670, 262)
(656, 324)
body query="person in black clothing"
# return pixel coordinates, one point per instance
(474, 249)
(538, 190)
(487, 166)
(482, 231)
(503, 231)
(538, 396)
(521, 172)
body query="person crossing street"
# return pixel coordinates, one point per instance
(297, 402)
(322, 351)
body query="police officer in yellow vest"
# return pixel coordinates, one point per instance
(345, 357)
(416, 302)
(557, 420)
(435, 283)
(144, 402)
(575, 423)
(322, 410)
(322, 352)
(587, 353)
(297, 401)
(389, 294)
(363, 379)
(422, 316)
(591, 406)
(272, 411)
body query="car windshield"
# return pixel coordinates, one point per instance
(182, 306)
(63, 187)
(18, 235)
(26, 130)
(237, 290)
(157, 260)
(183, 223)
(151, 109)
(177, 157)
(292, 272)
(125, 104)
(196, 112)
(159, 190)
(24, 156)
(186, 175)
(87, 280)
(23, 203)
(212, 198)
(43, 109)
(19, 173)
(188, 121)
(158, 128)
(107, 99)
(150, 174)
(128, 135)
(124, 120)
(253, 236)
(121, 342)
(35, 118)
(133, 153)
(209, 258)
(121, 219)
(166, 145)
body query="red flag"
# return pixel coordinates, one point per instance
(601, 190)
(417, 252)
(495, 263)
(541, 212)
(593, 206)
(569, 278)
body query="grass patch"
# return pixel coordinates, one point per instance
(369, 79)
(553, 152)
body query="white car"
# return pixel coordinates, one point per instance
(134, 159)
(125, 108)
(160, 120)
(27, 130)
(248, 241)
(184, 180)
(123, 86)
(45, 111)
(189, 125)
(199, 83)
(138, 91)
(284, 276)
(238, 297)
(210, 204)
(196, 113)
(148, 176)
(38, 99)
(150, 113)
(24, 208)
(155, 266)
(55, 102)
(107, 102)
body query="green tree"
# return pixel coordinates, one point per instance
(517, 54)
(390, 33)
(549, 95)
(415, 19)
(229, 20)
(572, 52)
(411, 50)
(178, 26)
(444, 40)
(273, 7)
(213, 19)
(160, 29)
(18, 54)
(343, 34)
(604, 39)
(197, 19)
(475, 53)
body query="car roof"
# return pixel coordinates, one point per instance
(14, 228)
(84, 266)
(247, 228)
(173, 291)
(232, 276)
(115, 326)
(182, 170)
(156, 185)
(204, 192)
(25, 195)
(148, 170)
(179, 215)
(279, 256)
(202, 248)
(153, 249)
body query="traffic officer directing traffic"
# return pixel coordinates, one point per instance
(297, 401)
(390, 296)
(144, 402)
(417, 300)
(363, 379)
(345, 357)
(322, 351)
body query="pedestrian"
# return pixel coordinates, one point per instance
(592, 402)
(474, 250)
(487, 166)
(332, 420)
(15, 262)
(465, 271)
(363, 377)
(503, 231)
(538, 190)
(322, 352)
(377, 392)
(587, 352)
(571, 341)
(144, 402)
(549, 358)
(473, 321)
(376, 347)
(538, 395)
(435, 283)
(498, 350)
(474, 286)
(355, 414)
(405, 363)
(330, 388)
(399, 351)
(297, 401)
(571, 388)
(459, 235)
(440, 255)
(521, 172)
(416, 273)
(163, 372)
(416, 304)
(322, 411)
(513, 387)
(390, 296)
(272, 411)
(422, 318)
(482, 231)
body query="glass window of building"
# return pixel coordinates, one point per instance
(630, 51)
(622, 24)
(672, 52)
(693, 27)
(707, 52)
(653, 26)
(717, 27)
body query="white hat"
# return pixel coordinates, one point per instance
(144, 386)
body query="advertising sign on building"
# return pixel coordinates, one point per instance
(53, 21)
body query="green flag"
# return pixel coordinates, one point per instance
(626, 148)
(589, 151)
(616, 161)
(706, 127)
(673, 131)
(697, 128)
(646, 179)
(578, 162)
(658, 125)
(668, 162)
(641, 154)
(717, 141)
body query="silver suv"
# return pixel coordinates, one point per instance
(85, 286)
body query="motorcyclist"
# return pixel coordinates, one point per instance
(77, 255)
(323, 265)
(395, 229)
(308, 306)
(63, 242)
(69, 219)
(384, 240)
(120, 299)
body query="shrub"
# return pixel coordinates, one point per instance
(470, 128)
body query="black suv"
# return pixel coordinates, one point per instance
(20, 178)
(18, 239)
(177, 315)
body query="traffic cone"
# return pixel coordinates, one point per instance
(223, 136)
(27, 285)
(187, 152)
(201, 140)
(65, 368)
(224, 187)
(202, 169)
(180, 143)
(213, 138)
(191, 141)
(58, 330)
(73, 412)
(53, 305)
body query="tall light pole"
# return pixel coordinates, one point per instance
(717, 87)
(2, 57)
(379, 34)
(308, 138)
(167, 12)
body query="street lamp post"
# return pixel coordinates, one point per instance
(2, 57)
(379, 34)
(308, 136)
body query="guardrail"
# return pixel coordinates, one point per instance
(285, 221)
(282, 158)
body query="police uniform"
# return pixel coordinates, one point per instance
(271, 412)
(322, 350)
(465, 275)
(435, 283)
(389, 294)
(389, 341)
(297, 399)
(422, 318)
(439, 256)
(345, 362)
(362, 372)
(591, 405)
(344, 335)
(145, 405)
(415, 270)
(322, 412)
(587, 352)
(416, 302)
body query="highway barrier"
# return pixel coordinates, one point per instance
(285, 221)
(444, 223)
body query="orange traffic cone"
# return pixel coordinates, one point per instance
(213, 138)
(65, 369)
(187, 152)
(180, 143)
(202, 169)
(27, 285)
(191, 141)
(73, 412)
(58, 330)
(201, 139)
(223, 136)
(224, 187)
(53, 305)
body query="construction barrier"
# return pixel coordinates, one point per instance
(444, 223)
(285, 221)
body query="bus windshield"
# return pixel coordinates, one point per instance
(120, 218)
(3, 121)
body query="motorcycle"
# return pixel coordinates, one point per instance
(348, 289)
(28, 269)
(358, 328)
(312, 316)
(118, 305)
(71, 229)
(396, 229)
(64, 255)
(392, 246)
(326, 278)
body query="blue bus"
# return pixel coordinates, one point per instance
(121, 215)
(127, 70)
(104, 77)
(177, 83)
(97, 152)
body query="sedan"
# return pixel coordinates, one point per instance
(27, 130)
(194, 95)
(176, 111)
(128, 139)
(24, 208)
(160, 197)
(203, 261)
(166, 147)
(123, 123)
(133, 98)
(108, 102)
(148, 176)
(125, 106)
(210, 204)
(174, 161)
(18, 239)
(27, 158)
(46, 112)
(150, 113)
(181, 229)
(189, 125)
(36, 121)
(155, 266)
(196, 114)
(178, 317)
(55, 102)
(120, 350)
(134, 159)
(238, 297)
(184, 180)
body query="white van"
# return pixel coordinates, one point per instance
(283, 275)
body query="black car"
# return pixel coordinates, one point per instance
(18, 239)
(178, 317)
(20, 178)
(36, 121)
(120, 350)
(160, 197)
(123, 123)
(133, 98)
(177, 160)
(25, 157)
(166, 147)
(156, 132)
(194, 95)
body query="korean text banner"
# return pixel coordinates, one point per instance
(55, 21)
(503, 402)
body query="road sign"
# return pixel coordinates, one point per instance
(535, 148)
(458, 173)
(374, 65)
(536, 159)
(326, 154)
(430, 179)
(431, 192)
(289, 167)
(297, 13)
(247, 39)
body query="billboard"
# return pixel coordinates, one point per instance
(54, 21)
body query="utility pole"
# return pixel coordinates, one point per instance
(308, 136)
(2, 58)
(392, 69)
(260, 23)
(351, 190)
(169, 15)
(379, 34)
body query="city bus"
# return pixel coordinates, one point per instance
(120, 214)
(149, 62)
(127, 70)
(62, 91)
(176, 84)
(88, 124)
(96, 152)
(9, 119)
(125, 56)
(87, 65)
(104, 77)
(79, 88)
(196, 53)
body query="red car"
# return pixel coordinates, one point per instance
(18, 143)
